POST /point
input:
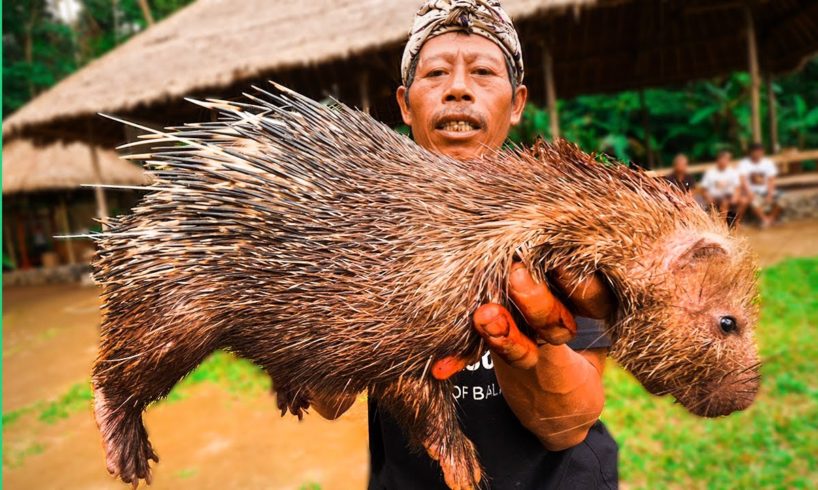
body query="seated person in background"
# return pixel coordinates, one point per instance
(758, 179)
(679, 176)
(722, 188)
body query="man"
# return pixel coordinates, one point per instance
(679, 176)
(531, 410)
(758, 178)
(722, 188)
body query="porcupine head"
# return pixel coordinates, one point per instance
(687, 295)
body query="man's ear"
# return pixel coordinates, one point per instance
(518, 104)
(403, 95)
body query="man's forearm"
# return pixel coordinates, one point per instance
(560, 398)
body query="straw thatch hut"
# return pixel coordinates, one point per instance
(352, 49)
(38, 185)
(28, 168)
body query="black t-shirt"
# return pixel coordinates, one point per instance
(513, 458)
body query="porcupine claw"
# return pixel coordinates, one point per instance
(296, 402)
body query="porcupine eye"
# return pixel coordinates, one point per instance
(728, 325)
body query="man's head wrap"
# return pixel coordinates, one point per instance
(483, 17)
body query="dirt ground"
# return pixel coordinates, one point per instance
(209, 439)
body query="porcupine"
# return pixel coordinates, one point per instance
(340, 256)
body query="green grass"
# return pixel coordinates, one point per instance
(774, 444)
(237, 376)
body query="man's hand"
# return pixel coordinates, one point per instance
(543, 312)
(555, 392)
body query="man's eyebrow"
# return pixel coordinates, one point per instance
(477, 56)
(435, 57)
(469, 56)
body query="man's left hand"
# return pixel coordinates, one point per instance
(543, 312)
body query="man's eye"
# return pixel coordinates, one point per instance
(435, 73)
(483, 71)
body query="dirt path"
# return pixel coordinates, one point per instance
(211, 438)
(797, 239)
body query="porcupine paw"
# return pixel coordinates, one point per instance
(459, 463)
(294, 401)
(125, 440)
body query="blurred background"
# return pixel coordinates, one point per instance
(637, 80)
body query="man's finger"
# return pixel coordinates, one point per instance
(495, 324)
(447, 367)
(590, 297)
(541, 309)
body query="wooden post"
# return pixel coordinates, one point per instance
(755, 77)
(550, 91)
(25, 260)
(8, 240)
(363, 81)
(646, 129)
(146, 12)
(62, 216)
(99, 192)
(772, 114)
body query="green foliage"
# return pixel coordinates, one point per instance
(40, 48)
(699, 118)
(771, 445)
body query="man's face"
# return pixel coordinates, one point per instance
(460, 102)
(680, 164)
(756, 154)
(723, 160)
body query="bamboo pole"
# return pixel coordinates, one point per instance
(772, 114)
(62, 214)
(363, 82)
(550, 92)
(755, 77)
(146, 12)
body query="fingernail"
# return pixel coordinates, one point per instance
(520, 280)
(497, 327)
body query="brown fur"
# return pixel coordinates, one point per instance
(341, 257)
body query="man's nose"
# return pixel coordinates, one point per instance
(459, 89)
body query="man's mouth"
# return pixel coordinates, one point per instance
(456, 126)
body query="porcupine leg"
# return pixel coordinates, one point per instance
(426, 409)
(289, 399)
(140, 363)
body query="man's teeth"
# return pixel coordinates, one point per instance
(458, 126)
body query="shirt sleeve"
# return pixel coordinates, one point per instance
(590, 334)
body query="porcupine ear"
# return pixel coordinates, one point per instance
(691, 249)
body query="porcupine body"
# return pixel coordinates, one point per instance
(340, 257)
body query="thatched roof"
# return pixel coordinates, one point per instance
(213, 43)
(28, 168)
(218, 47)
